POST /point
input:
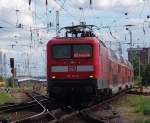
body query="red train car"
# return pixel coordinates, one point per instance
(80, 63)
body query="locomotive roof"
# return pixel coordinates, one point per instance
(78, 39)
(81, 30)
(78, 27)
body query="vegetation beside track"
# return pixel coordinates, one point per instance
(141, 104)
(134, 108)
(5, 98)
(14, 97)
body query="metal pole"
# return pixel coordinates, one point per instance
(5, 66)
(139, 68)
(1, 73)
(13, 78)
(130, 38)
(57, 23)
(141, 87)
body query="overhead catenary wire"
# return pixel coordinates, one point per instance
(7, 22)
(118, 26)
(62, 7)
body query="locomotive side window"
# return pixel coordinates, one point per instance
(82, 51)
(61, 51)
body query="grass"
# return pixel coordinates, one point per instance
(4, 98)
(147, 121)
(141, 104)
(134, 108)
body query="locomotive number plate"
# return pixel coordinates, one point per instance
(72, 68)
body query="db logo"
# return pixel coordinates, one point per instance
(72, 68)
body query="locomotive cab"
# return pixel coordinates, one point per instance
(72, 61)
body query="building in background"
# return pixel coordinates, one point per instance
(143, 54)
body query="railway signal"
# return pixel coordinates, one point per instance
(12, 62)
(13, 70)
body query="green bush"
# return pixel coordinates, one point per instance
(4, 98)
(140, 104)
(1, 78)
(147, 121)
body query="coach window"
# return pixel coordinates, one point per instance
(110, 66)
(82, 51)
(99, 50)
(61, 51)
(128, 78)
(119, 68)
(126, 71)
(114, 79)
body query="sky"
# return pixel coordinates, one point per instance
(18, 19)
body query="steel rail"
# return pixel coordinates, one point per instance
(36, 115)
(19, 106)
(85, 116)
(13, 105)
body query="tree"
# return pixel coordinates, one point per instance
(1, 78)
(136, 65)
(146, 73)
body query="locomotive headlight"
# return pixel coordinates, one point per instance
(91, 76)
(53, 77)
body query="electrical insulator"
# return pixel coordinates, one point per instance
(29, 2)
(90, 2)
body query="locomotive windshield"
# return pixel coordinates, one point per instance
(82, 51)
(72, 51)
(61, 51)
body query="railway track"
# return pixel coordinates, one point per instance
(15, 107)
(139, 93)
(26, 111)
(140, 90)
(41, 110)
(87, 114)
(37, 98)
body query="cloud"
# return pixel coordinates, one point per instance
(16, 4)
(135, 21)
(128, 3)
(25, 15)
(8, 11)
(26, 19)
(107, 4)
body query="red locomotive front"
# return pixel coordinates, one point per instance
(71, 59)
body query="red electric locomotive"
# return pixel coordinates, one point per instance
(81, 64)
